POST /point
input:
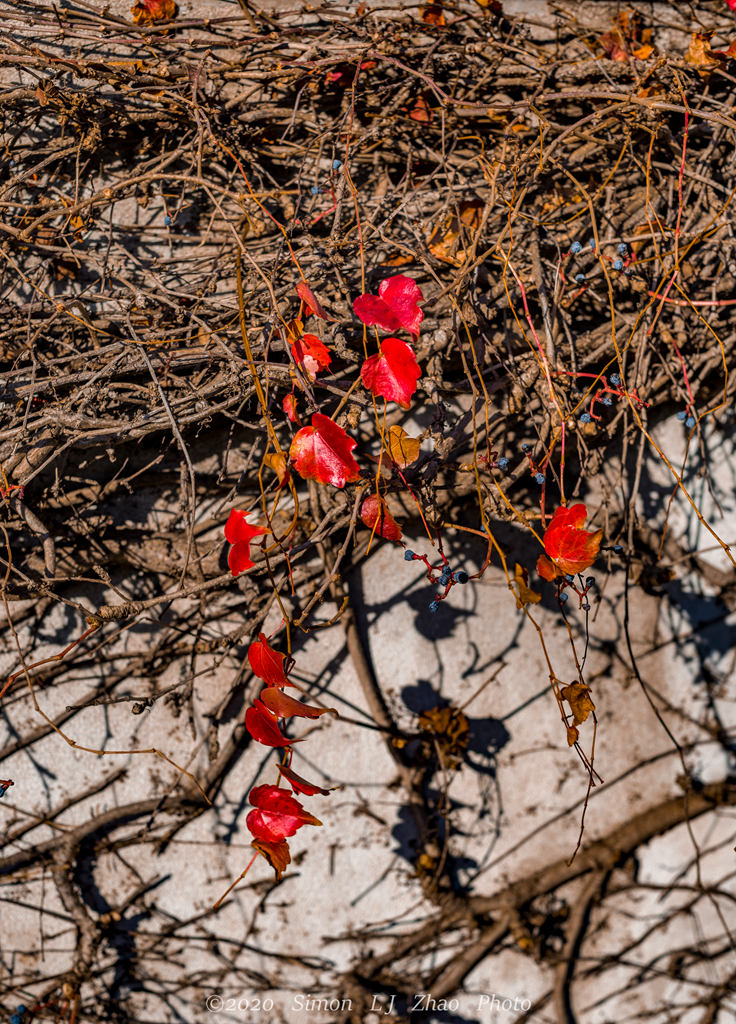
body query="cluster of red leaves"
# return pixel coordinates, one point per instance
(569, 548)
(278, 814)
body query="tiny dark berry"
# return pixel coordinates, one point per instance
(539, 477)
(445, 579)
(409, 556)
(502, 463)
(606, 400)
(336, 165)
(618, 264)
(569, 578)
(615, 379)
(460, 576)
(562, 598)
(167, 221)
(682, 415)
(623, 248)
(690, 421)
(314, 190)
(15, 1019)
(617, 548)
(575, 248)
(585, 606)
(434, 606)
(585, 418)
(589, 581)
(526, 447)
(580, 278)
(591, 243)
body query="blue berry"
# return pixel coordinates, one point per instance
(617, 548)
(580, 278)
(585, 606)
(539, 477)
(434, 606)
(167, 221)
(526, 447)
(445, 579)
(336, 165)
(690, 421)
(682, 415)
(15, 1018)
(585, 418)
(502, 463)
(575, 248)
(623, 248)
(3, 791)
(314, 190)
(569, 578)
(589, 581)
(591, 243)
(409, 556)
(605, 400)
(618, 264)
(615, 379)
(460, 576)
(562, 598)
(20, 1009)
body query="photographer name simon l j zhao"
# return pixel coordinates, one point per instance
(383, 1003)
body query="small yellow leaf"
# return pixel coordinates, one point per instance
(525, 593)
(577, 696)
(277, 462)
(403, 449)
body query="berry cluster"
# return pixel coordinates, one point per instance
(604, 395)
(686, 416)
(568, 581)
(536, 471)
(446, 578)
(17, 1017)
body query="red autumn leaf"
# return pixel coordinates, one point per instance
(300, 785)
(571, 548)
(324, 452)
(375, 514)
(278, 814)
(311, 353)
(394, 307)
(289, 407)
(311, 303)
(394, 373)
(240, 533)
(264, 727)
(277, 855)
(283, 706)
(267, 663)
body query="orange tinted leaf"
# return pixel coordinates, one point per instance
(277, 854)
(324, 452)
(376, 516)
(525, 594)
(283, 706)
(434, 15)
(147, 11)
(547, 569)
(289, 407)
(277, 462)
(578, 697)
(421, 111)
(403, 449)
(572, 735)
(444, 241)
(570, 547)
